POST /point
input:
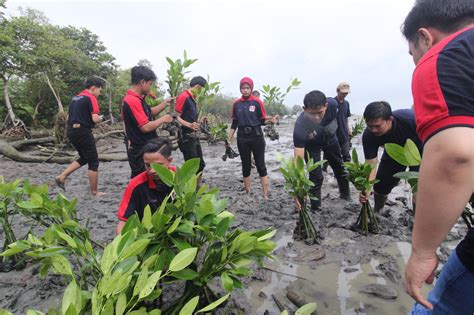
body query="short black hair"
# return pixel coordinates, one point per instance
(315, 99)
(448, 16)
(198, 81)
(256, 93)
(376, 110)
(93, 81)
(142, 73)
(160, 145)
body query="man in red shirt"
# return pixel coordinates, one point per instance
(82, 117)
(138, 116)
(146, 188)
(440, 37)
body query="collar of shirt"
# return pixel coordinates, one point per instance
(133, 93)
(190, 93)
(87, 93)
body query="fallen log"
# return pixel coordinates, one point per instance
(7, 150)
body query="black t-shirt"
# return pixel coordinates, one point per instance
(187, 107)
(465, 251)
(343, 112)
(248, 112)
(140, 192)
(81, 109)
(313, 136)
(403, 128)
(136, 113)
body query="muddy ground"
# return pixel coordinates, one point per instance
(348, 273)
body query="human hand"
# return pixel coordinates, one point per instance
(419, 270)
(167, 118)
(194, 126)
(364, 197)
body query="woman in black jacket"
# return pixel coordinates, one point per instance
(248, 115)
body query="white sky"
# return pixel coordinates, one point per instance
(319, 42)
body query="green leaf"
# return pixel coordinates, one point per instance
(185, 274)
(306, 309)
(69, 240)
(155, 312)
(396, 152)
(222, 227)
(166, 176)
(150, 285)
(267, 236)
(134, 249)
(285, 312)
(29, 312)
(71, 310)
(406, 175)
(72, 296)
(121, 304)
(189, 168)
(189, 307)
(180, 244)
(36, 199)
(183, 259)
(5, 312)
(412, 153)
(227, 282)
(174, 225)
(108, 308)
(141, 281)
(146, 220)
(215, 304)
(355, 156)
(61, 265)
(247, 244)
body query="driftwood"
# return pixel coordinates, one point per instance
(9, 151)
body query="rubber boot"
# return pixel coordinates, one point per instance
(379, 201)
(344, 191)
(316, 204)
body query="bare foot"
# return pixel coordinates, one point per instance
(99, 194)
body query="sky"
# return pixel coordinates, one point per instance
(319, 42)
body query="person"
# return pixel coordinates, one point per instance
(248, 115)
(315, 131)
(138, 116)
(146, 188)
(343, 132)
(440, 38)
(187, 115)
(82, 117)
(385, 126)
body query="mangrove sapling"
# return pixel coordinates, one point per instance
(184, 243)
(409, 155)
(359, 176)
(176, 76)
(358, 128)
(296, 175)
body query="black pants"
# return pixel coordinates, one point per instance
(135, 160)
(248, 145)
(332, 153)
(385, 172)
(345, 152)
(191, 148)
(84, 142)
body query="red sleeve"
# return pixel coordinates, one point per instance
(180, 102)
(125, 204)
(136, 108)
(95, 105)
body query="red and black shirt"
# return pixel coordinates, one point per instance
(248, 112)
(443, 91)
(136, 113)
(81, 109)
(443, 85)
(187, 107)
(140, 192)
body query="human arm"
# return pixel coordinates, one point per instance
(155, 110)
(445, 185)
(194, 126)
(151, 126)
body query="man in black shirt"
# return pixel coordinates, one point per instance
(146, 188)
(315, 130)
(138, 117)
(187, 114)
(82, 117)
(344, 112)
(385, 126)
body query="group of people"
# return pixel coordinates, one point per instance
(440, 36)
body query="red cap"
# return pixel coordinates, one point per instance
(246, 80)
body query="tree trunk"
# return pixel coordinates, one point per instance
(112, 119)
(10, 152)
(10, 112)
(35, 114)
(56, 96)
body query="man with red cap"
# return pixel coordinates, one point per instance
(248, 115)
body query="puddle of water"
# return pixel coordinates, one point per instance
(335, 291)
